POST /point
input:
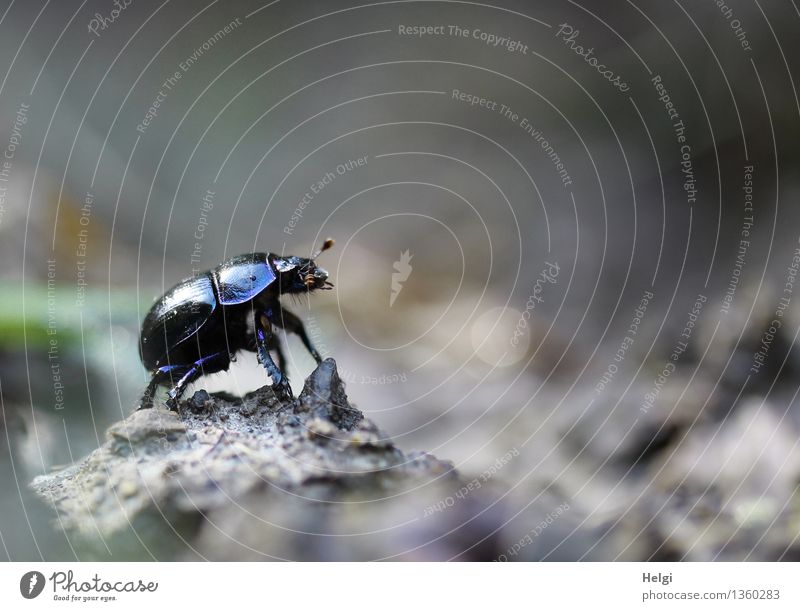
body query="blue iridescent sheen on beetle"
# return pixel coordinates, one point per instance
(199, 325)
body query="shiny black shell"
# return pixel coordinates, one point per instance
(183, 311)
(241, 278)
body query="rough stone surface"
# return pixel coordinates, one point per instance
(257, 478)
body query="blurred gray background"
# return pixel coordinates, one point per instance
(123, 204)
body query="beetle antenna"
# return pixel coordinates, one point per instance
(327, 244)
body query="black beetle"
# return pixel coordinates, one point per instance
(200, 324)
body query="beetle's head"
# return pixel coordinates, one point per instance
(298, 274)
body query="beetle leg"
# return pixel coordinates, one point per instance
(263, 340)
(146, 401)
(278, 347)
(294, 324)
(192, 373)
(274, 344)
(160, 375)
(176, 391)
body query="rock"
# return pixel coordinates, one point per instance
(259, 478)
(728, 491)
